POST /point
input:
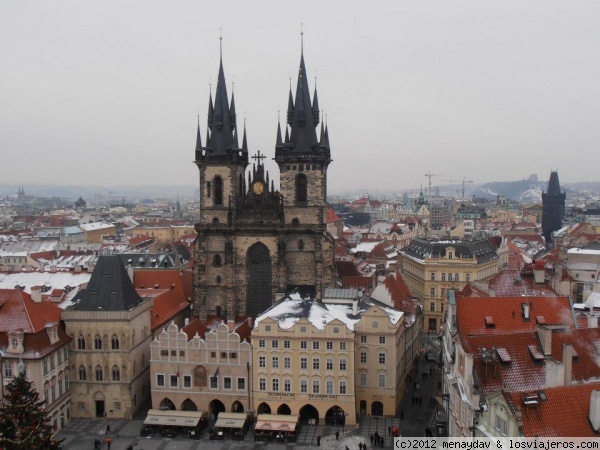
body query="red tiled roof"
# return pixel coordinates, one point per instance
(585, 367)
(19, 311)
(471, 291)
(340, 250)
(142, 239)
(358, 282)
(512, 283)
(171, 297)
(507, 313)
(332, 216)
(521, 373)
(564, 413)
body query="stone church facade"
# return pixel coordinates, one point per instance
(256, 243)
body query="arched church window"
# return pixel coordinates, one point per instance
(98, 343)
(295, 222)
(98, 373)
(301, 245)
(218, 181)
(217, 260)
(301, 188)
(215, 220)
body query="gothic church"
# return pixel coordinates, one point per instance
(254, 243)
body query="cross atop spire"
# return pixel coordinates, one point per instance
(258, 157)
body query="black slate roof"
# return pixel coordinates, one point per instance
(480, 249)
(109, 288)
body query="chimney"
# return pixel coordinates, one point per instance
(36, 294)
(568, 362)
(555, 373)
(355, 306)
(545, 337)
(595, 410)
(592, 321)
(539, 272)
(231, 324)
(186, 321)
(525, 307)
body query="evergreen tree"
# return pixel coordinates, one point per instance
(24, 424)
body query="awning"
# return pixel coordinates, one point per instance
(173, 418)
(276, 422)
(231, 420)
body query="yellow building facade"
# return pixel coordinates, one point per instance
(431, 268)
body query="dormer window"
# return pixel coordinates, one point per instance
(449, 255)
(14, 342)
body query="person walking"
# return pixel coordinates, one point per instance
(319, 440)
(107, 429)
(337, 435)
(389, 431)
(108, 442)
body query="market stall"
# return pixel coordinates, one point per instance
(276, 428)
(233, 424)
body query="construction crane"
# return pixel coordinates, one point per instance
(430, 175)
(463, 182)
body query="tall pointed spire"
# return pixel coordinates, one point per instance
(198, 139)
(290, 110)
(222, 115)
(244, 140)
(211, 109)
(232, 117)
(301, 118)
(278, 142)
(287, 136)
(315, 106)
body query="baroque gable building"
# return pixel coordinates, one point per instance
(256, 243)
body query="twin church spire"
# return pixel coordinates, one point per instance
(303, 117)
(222, 134)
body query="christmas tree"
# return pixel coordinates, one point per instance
(23, 420)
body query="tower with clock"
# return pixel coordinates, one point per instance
(256, 243)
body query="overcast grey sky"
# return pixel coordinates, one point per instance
(107, 92)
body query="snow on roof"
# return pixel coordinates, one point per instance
(27, 246)
(593, 301)
(95, 226)
(55, 280)
(365, 247)
(583, 251)
(291, 309)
